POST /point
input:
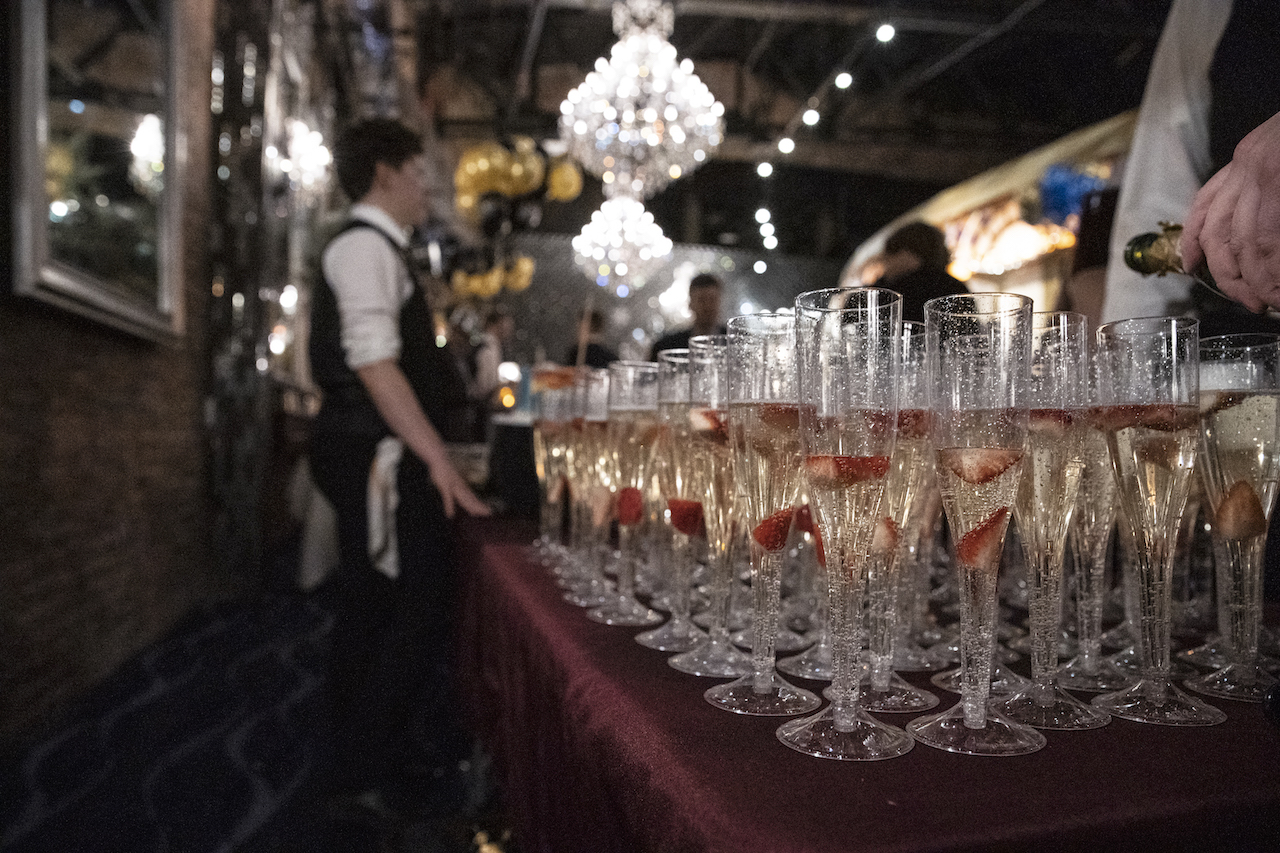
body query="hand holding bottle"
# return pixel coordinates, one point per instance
(1234, 221)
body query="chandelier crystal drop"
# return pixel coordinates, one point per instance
(642, 118)
(621, 243)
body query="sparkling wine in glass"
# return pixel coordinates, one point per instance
(891, 570)
(1150, 413)
(591, 497)
(764, 434)
(1092, 524)
(979, 353)
(1240, 429)
(683, 502)
(1051, 471)
(847, 344)
(553, 413)
(631, 436)
(708, 469)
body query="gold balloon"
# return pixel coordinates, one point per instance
(488, 284)
(467, 204)
(520, 274)
(533, 171)
(460, 282)
(564, 183)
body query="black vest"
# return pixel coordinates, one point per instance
(431, 371)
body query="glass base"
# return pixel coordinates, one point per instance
(782, 699)
(813, 664)
(863, 739)
(713, 658)
(1238, 681)
(1211, 654)
(1129, 661)
(910, 657)
(1104, 679)
(899, 698)
(1005, 682)
(1159, 703)
(999, 736)
(677, 634)
(785, 643)
(624, 611)
(1119, 637)
(1057, 710)
(1022, 645)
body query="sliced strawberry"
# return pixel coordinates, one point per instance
(914, 423)
(1212, 402)
(821, 553)
(980, 547)
(771, 534)
(712, 424)
(630, 505)
(804, 520)
(781, 416)
(978, 465)
(835, 471)
(1240, 514)
(885, 539)
(1169, 417)
(686, 516)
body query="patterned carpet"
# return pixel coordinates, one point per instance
(216, 738)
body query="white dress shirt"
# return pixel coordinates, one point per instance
(371, 284)
(1169, 158)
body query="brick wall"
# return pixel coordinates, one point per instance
(104, 506)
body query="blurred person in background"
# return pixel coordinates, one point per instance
(915, 264)
(706, 291)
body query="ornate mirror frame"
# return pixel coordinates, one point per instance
(150, 305)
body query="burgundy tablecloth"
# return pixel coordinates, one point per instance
(601, 746)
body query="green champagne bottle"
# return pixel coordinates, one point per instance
(1158, 253)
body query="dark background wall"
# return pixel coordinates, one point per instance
(103, 488)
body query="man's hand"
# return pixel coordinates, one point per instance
(399, 407)
(1234, 221)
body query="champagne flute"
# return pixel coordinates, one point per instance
(684, 503)
(764, 431)
(1150, 369)
(891, 572)
(553, 390)
(1092, 523)
(1051, 471)
(979, 353)
(631, 435)
(585, 583)
(846, 342)
(1240, 431)
(709, 471)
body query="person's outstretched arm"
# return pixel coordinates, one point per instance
(399, 407)
(1234, 221)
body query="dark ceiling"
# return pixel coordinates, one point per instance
(963, 86)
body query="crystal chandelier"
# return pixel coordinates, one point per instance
(641, 119)
(621, 244)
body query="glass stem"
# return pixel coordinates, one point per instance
(626, 561)
(1045, 602)
(1155, 601)
(1090, 579)
(681, 571)
(766, 586)
(977, 642)
(882, 612)
(1244, 606)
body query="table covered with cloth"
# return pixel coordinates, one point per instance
(601, 746)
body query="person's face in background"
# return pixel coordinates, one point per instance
(704, 304)
(899, 264)
(405, 190)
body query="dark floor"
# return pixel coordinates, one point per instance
(216, 738)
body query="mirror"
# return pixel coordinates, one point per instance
(97, 218)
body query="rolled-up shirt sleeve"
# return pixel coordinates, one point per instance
(368, 280)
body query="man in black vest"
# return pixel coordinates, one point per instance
(374, 355)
